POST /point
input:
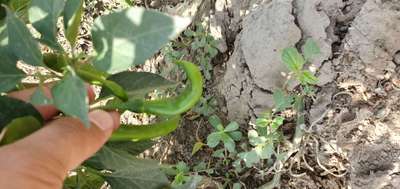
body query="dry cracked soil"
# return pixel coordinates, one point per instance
(355, 112)
(355, 115)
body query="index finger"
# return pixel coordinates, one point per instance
(47, 111)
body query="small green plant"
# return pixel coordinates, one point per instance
(263, 139)
(227, 135)
(184, 177)
(204, 47)
(206, 106)
(263, 151)
(182, 171)
(295, 62)
(198, 44)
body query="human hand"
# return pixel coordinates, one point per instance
(43, 159)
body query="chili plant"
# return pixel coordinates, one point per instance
(121, 40)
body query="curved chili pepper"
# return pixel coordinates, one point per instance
(167, 106)
(88, 73)
(143, 132)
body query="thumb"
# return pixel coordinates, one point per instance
(60, 146)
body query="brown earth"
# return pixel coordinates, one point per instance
(354, 120)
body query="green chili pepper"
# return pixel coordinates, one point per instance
(88, 73)
(168, 106)
(143, 132)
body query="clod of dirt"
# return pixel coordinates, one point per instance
(313, 23)
(255, 67)
(375, 37)
(396, 58)
(367, 61)
(266, 32)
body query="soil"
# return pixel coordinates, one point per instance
(355, 136)
(356, 106)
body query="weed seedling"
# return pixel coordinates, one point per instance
(227, 135)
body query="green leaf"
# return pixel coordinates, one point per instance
(229, 143)
(20, 7)
(237, 186)
(20, 128)
(39, 98)
(129, 2)
(262, 122)
(265, 151)
(72, 19)
(70, 97)
(133, 148)
(252, 134)
(21, 42)
(307, 77)
(129, 37)
(232, 126)
(10, 76)
(278, 121)
(138, 84)
(128, 172)
(182, 167)
(84, 180)
(179, 179)
(249, 158)
(11, 109)
(213, 139)
(43, 14)
(192, 183)
(255, 139)
(310, 49)
(3, 12)
(281, 100)
(236, 135)
(197, 146)
(216, 122)
(293, 59)
(219, 153)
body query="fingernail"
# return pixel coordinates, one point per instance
(90, 92)
(102, 119)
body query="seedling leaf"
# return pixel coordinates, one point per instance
(281, 100)
(197, 147)
(233, 126)
(308, 78)
(216, 122)
(236, 135)
(213, 139)
(293, 59)
(310, 49)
